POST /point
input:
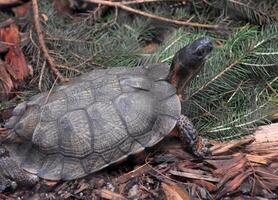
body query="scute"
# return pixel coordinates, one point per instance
(131, 146)
(164, 124)
(46, 137)
(108, 128)
(72, 169)
(170, 106)
(26, 124)
(137, 111)
(163, 89)
(79, 95)
(125, 70)
(93, 162)
(52, 167)
(106, 88)
(93, 75)
(131, 83)
(75, 133)
(19, 109)
(55, 107)
(33, 161)
(157, 72)
(112, 155)
(38, 99)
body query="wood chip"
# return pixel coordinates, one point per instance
(134, 173)
(262, 159)
(194, 176)
(233, 184)
(227, 146)
(208, 185)
(107, 194)
(174, 192)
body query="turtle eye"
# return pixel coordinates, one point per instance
(200, 52)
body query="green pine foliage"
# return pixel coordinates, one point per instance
(232, 95)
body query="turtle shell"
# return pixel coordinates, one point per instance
(97, 120)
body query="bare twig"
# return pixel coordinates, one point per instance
(50, 91)
(147, 1)
(7, 22)
(43, 47)
(7, 2)
(127, 8)
(69, 68)
(41, 75)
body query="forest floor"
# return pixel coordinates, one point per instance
(239, 169)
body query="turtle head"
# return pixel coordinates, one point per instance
(188, 61)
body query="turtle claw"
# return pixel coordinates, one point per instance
(7, 185)
(188, 135)
(11, 175)
(201, 148)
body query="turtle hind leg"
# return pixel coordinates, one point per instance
(11, 175)
(188, 135)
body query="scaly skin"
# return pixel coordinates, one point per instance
(189, 137)
(12, 175)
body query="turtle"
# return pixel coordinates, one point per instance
(99, 119)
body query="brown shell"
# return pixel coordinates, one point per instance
(97, 120)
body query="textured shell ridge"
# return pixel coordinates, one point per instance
(98, 120)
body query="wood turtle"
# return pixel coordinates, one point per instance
(99, 119)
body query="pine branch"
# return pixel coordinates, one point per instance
(228, 98)
(255, 11)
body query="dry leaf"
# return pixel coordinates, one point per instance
(6, 83)
(62, 6)
(15, 68)
(21, 10)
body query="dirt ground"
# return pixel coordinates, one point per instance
(243, 169)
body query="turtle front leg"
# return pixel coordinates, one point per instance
(190, 138)
(12, 175)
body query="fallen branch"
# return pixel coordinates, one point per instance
(8, 2)
(127, 8)
(43, 47)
